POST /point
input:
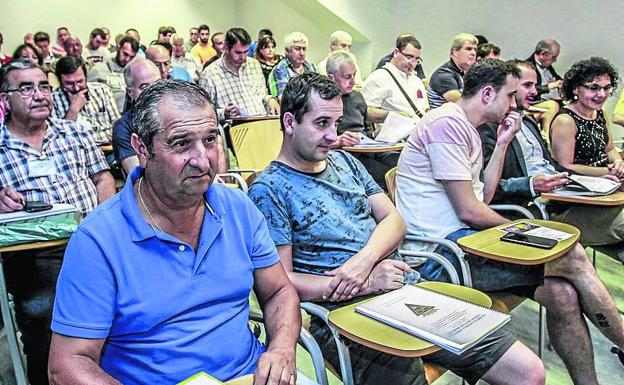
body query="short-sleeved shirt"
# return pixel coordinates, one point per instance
(325, 216)
(282, 72)
(188, 63)
(165, 311)
(122, 131)
(100, 112)
(443, 146)
(203, 54)
(245, 89)
(75, 158)
(381, 91)
(420, 72)
(447, 77)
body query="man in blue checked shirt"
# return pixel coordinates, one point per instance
(51, 160)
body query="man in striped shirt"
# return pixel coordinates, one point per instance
(92, 104)
(49, 160)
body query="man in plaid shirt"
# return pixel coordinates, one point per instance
(51, 160)
(82, 102)
(235, 82)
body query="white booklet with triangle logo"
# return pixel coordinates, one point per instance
(446, 321)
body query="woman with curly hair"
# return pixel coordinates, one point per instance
(581, 139)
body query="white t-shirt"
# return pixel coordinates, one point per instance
(380, 91)
(443, 146)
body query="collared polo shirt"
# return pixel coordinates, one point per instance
(165, 311)
(446, 78)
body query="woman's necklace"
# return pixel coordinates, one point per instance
(149, 214)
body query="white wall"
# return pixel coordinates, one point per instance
(20, 16)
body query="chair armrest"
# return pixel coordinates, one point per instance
(446, 264)
(452, 247)
(309, 343)
(516, 208)
(239, 180)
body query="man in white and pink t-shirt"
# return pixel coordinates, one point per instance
(443, 193)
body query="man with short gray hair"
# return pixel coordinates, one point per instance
(548, 80)
(447, 82)
(341, 40)
(163, 293)
(293, 64)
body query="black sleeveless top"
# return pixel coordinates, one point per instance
(591, 139)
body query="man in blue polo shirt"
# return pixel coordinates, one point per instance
(155, 283)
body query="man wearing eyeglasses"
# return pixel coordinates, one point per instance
(235, 82)
(50, 160)
(395, 86)
(447, 82)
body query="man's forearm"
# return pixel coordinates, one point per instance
(493, 172)
(79, 370)
(376, 115)
(386, 237)
(104, 185)
(282, 319)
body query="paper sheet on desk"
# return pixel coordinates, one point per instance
(58, 208)
(395, 128)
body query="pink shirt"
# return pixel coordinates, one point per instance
(443, 146)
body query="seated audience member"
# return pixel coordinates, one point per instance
(110, 72)
(165, 33)
(89, 103)
(218, 43)
(548, 82)
(581, 139)
(73, 46)
(447, 82)
(293, 64)
(193, 38)
(340, 66)
(254, 44)
(441, 194)
(395, 87)
(138, 74)
(96, 51)
(203, 51)
(420, 72)
(488, 51)
(161, 57)
(135, 34)
(182, 59)
(341, 40)
(180, 304)
(235, 83)
(265, 54)
(3, 57)
(42, 41)
(529, 170)
(29, 52)
(337, 233)
(39, 163)
(107, 41)
(57, 48)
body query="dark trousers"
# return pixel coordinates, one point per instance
(378, 164)
(31, 279)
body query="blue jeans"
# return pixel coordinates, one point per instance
(487, 274)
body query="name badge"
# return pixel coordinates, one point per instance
(41, 167)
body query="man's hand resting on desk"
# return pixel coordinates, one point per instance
(276, 367)
(272, 107)
(11, 200)
(547, 183)
(346, 139)
(387, 275)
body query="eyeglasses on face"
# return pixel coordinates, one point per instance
(27, 90)
(411, 58)
(595, 88)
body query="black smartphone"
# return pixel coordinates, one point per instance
(35, 206)
(529, 240)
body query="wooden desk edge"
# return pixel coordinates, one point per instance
(388, 350)
(584, 199)
(34, 245)
(515, 261)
